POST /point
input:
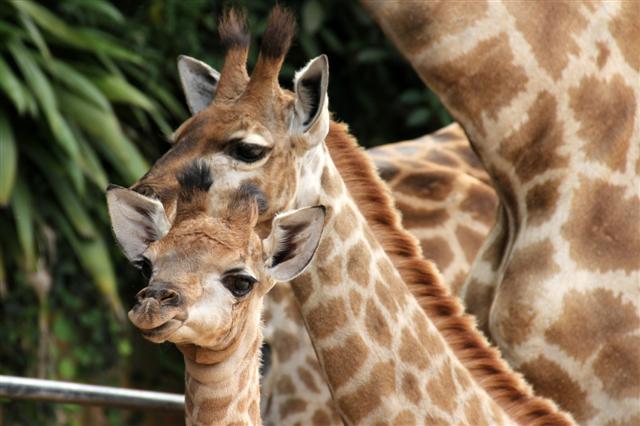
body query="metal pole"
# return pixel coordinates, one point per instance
(75, 393)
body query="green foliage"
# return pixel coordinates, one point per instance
(77, 112)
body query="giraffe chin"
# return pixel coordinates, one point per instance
(161, 333)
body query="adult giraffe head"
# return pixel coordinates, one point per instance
(247, 129)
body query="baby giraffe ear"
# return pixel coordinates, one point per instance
(136, 220)
(293, 241)
(199, 82)
(311, 104)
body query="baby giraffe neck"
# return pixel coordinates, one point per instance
(223, 392)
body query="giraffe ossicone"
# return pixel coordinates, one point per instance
(208, 276)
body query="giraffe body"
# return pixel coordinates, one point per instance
(548, 94)
(254, 133)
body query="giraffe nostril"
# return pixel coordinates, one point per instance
(169, 296)
(162, 294)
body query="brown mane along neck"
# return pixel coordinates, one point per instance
(458, 329)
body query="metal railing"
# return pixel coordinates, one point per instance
(75, 393)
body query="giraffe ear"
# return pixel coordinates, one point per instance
(293, 241)
(136, 220)
(312, 104)
(199, 82)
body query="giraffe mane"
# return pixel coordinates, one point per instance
(484, 363)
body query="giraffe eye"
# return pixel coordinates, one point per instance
(247, 152)
(144, 265)
(239, 285)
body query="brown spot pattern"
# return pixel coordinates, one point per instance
(603, 54)
(320, 418)
(417, 28)
(439, 389)
(529, 266)
(308, 380)
(302, 287)
(549, 28)
(603, 232)
(421, 218)
(376, 325)
(327, 317)
(532, 149)
(430, 185)
(342, 362)
(410, 388)
(626, 32)
(284, 344)
(606, 113)
(437, 249)
(473, 412)
(480, 82)
(285, 385)
(345, 223)
(292, 406)
(330, 273)
(358, 264)
(550, 380)
(618, 366)
(470, 241)
(368, 397)
(580, 332)
(213, 410)
(355, 300)
(404, 418)
(481, 202)
(412, 351)
(542, 201)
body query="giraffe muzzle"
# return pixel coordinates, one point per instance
(158, 312)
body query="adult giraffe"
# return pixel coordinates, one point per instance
(548, 93)
(257, 133)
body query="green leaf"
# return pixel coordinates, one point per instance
(100, 7)
(77, 82)
(63, 329)
(35, 35)
(117, 89)
(44, 93)
(8, 160)
(90, 164)
(94, 257)
(85, 39)
(104, 127)
(371, 55)
(10, 84)
(3, 276)
(67, 369)
(124, 347)
(22, 207)
(312, 16)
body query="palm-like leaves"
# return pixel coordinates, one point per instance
(60, 135)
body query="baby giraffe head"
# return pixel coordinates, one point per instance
(207, 274)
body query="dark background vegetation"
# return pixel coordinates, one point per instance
(88, 93)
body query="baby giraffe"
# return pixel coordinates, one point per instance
(208, 276)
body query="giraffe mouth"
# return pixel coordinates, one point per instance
(162, 332)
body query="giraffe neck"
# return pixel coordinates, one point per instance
(549, 98)
(227, 391)
(377, 347)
